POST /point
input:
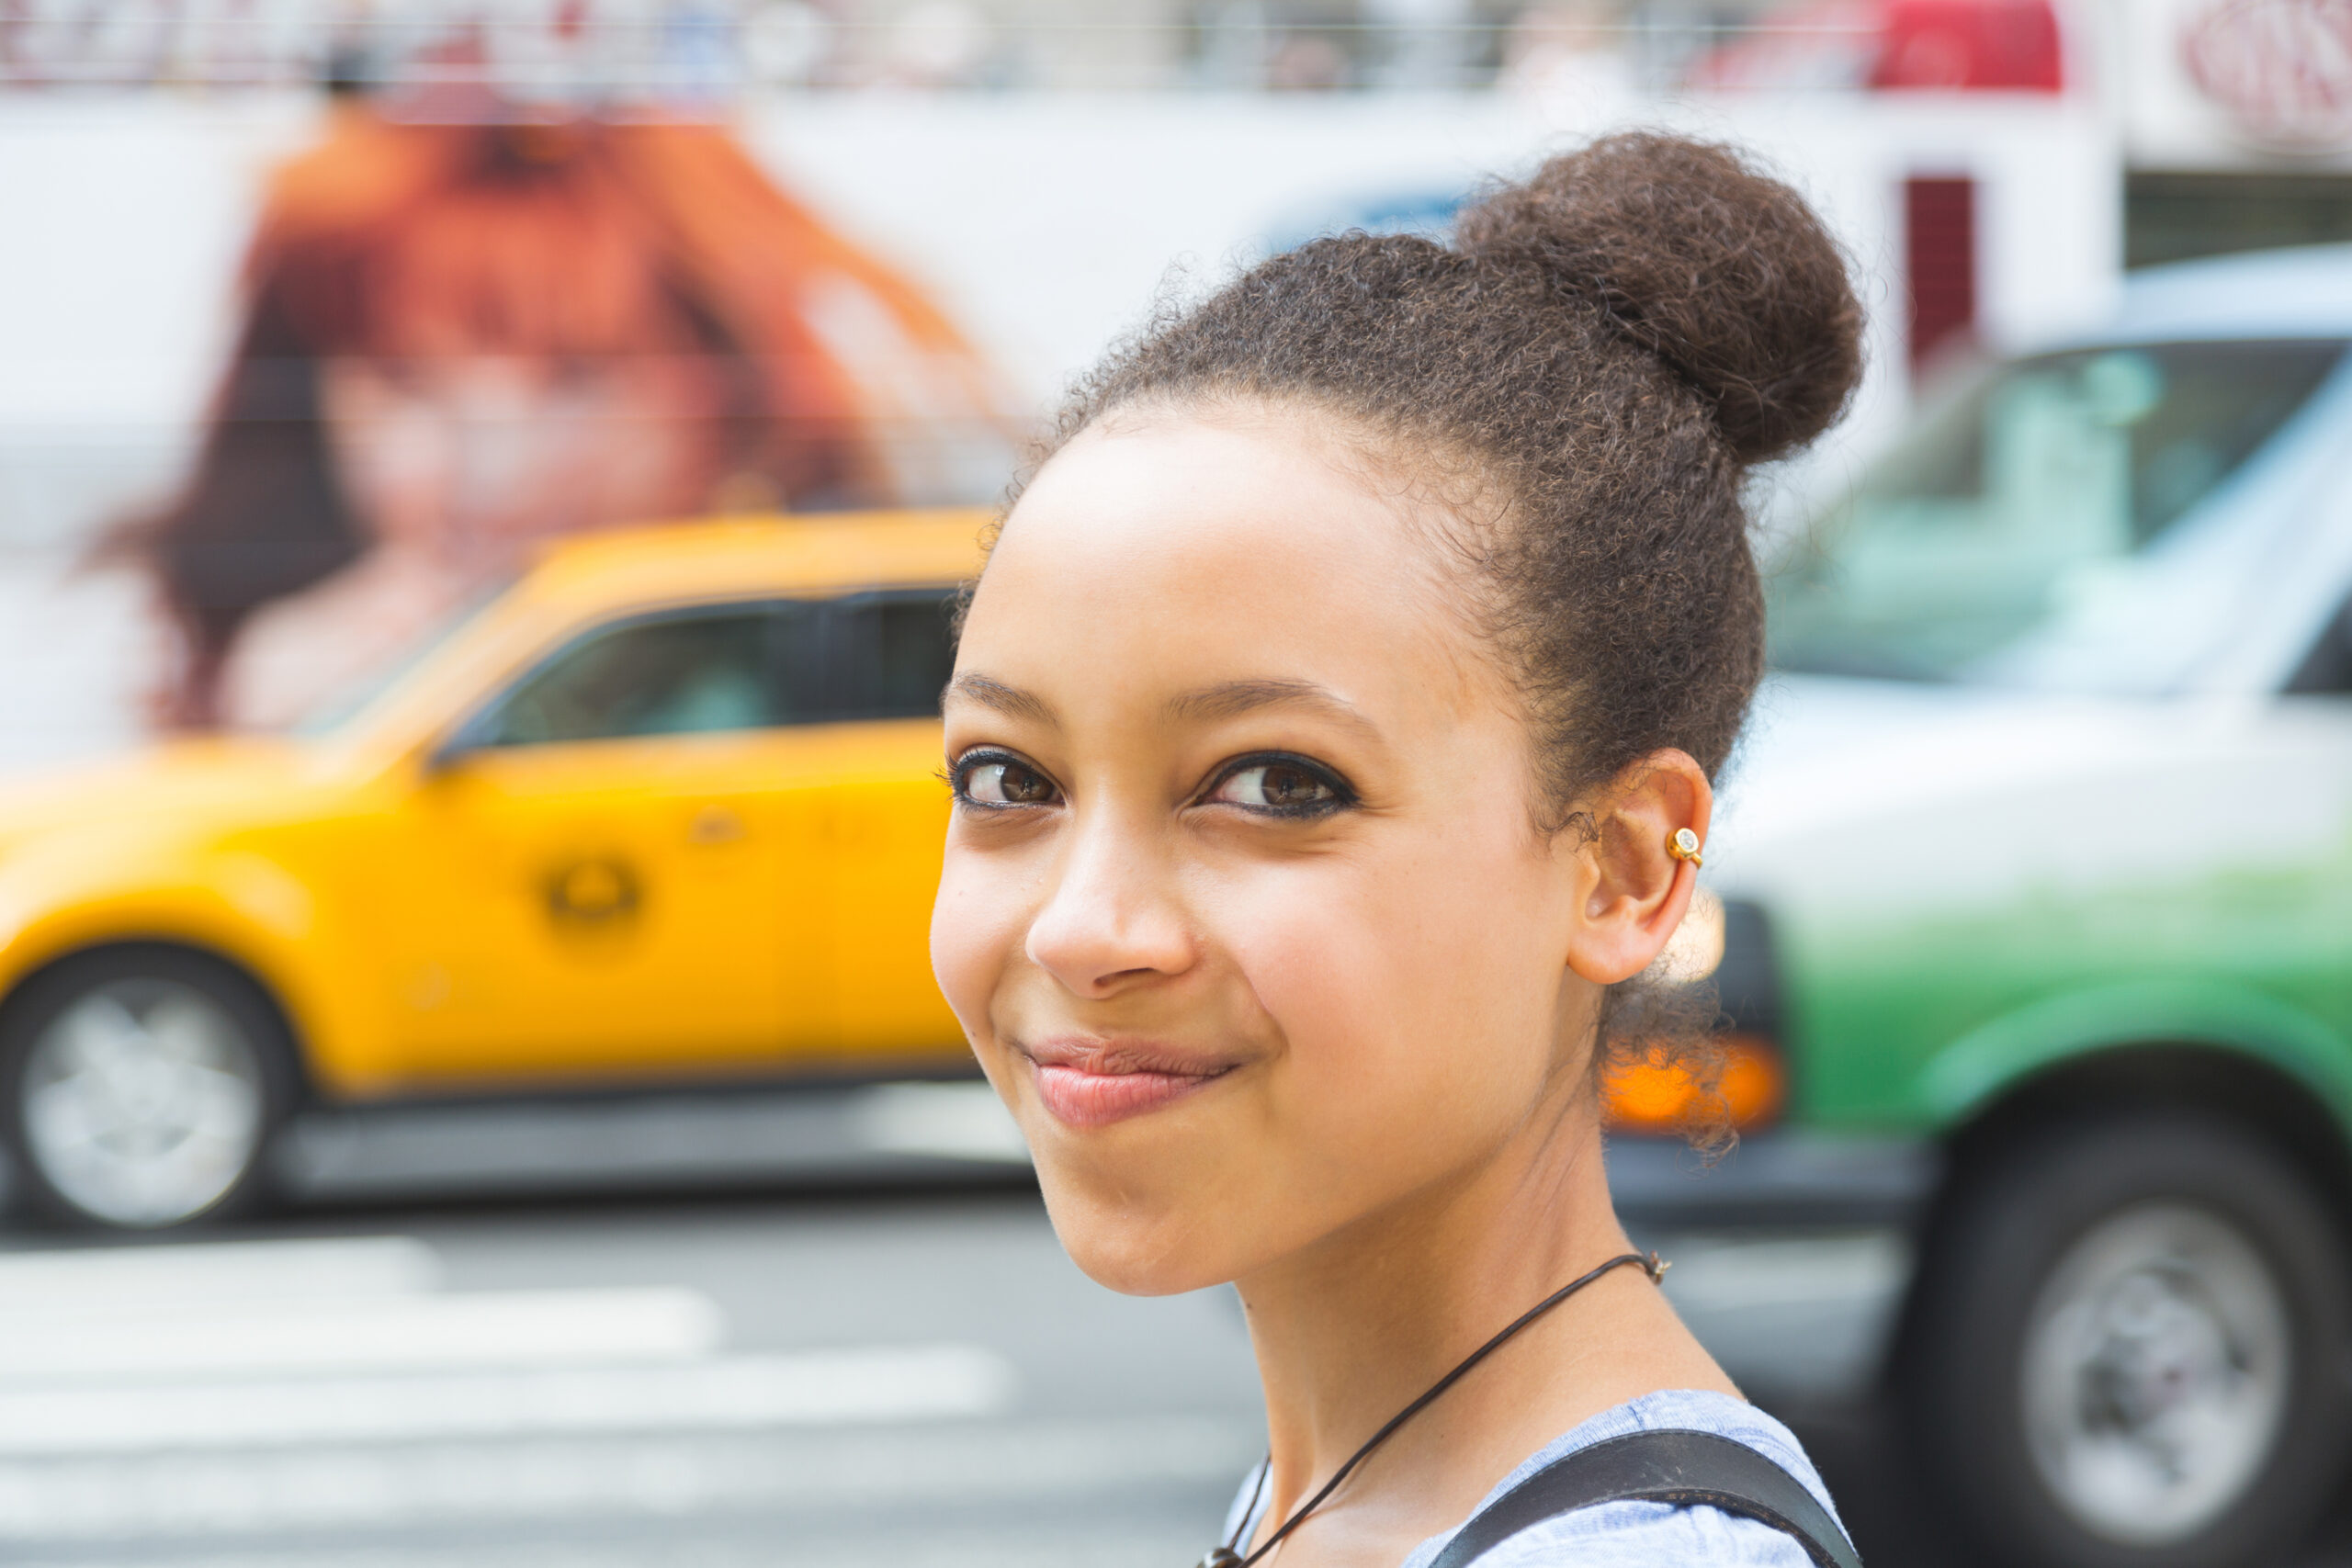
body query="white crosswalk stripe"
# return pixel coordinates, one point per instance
(142, 1281)
(887, 1383)
(394, 1333)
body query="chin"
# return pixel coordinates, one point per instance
(1139, 1247)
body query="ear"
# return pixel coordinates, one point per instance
(1633, 890)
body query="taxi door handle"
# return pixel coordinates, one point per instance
(714, 825)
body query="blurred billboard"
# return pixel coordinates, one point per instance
(316, 317)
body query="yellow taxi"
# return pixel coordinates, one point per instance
(667, 809)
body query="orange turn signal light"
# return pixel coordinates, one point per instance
(1655, 1094)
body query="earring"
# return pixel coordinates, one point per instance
(1684, 845)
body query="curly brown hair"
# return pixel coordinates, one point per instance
(1611, 344)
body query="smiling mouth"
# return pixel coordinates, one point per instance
(1086, 1085)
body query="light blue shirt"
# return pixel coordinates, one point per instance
(1640, 1535)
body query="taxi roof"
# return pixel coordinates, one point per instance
(800, 554)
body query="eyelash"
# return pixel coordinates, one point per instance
(1342, 796)
(958, 778)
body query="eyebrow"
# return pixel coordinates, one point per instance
(1009, 700)
(1226, 699)
(1231, 699)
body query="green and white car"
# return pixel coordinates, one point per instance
(2037, 871)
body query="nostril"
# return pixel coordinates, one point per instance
(1097, 958)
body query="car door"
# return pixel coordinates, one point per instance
(889, 655)
(2307, 794)
(623, 854)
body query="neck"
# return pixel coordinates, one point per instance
(1349, 1332)
(1358, 1327)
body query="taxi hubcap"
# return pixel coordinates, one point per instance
(2156, 1373)
(143, 1102)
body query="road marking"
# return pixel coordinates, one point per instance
(145, 1279)
(881, 1383)
(848, 1471)
(396, 1333)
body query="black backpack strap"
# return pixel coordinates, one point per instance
(1666, 1466)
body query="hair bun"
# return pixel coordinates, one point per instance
(1723, 272)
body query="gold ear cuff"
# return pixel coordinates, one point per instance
(1684, 845)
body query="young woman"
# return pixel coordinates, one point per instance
(1332, 739)
(461, 340)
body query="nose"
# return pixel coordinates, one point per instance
(1114, 920)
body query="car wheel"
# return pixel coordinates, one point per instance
(142, 1086)
(2129, 1350)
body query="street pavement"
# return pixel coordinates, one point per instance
(899, 1379)
(884, 1362)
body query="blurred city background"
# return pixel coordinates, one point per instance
(472, 1085)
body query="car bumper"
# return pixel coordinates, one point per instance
(1778, 1178)
(1792, 1257)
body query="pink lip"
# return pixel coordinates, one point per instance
(1087, 1083)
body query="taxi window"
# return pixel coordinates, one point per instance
(678, 675)
(866, 656)
(889, 655)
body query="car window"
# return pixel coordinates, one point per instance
(2326, 670)
(889, 655)
(866, 656)
(2024, 498)
(675, 674)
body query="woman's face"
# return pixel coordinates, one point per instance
(476, 454)
(1244, 908)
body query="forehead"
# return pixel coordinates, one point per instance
(1255, 525)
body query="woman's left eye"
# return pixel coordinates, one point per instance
(1280, 785)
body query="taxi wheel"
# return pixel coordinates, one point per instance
(142, 1086)
(2130, 1350)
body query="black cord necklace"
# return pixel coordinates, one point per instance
(1229, 1554)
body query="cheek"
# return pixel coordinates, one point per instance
(665, 461)
(395, 469)
(977, 927)
(565, 470)
(1416, 993)
(673, 417)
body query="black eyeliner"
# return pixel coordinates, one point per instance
(1343, 794)
(959, 774)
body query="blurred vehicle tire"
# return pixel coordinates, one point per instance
(142, 1086)
(2130, 1347)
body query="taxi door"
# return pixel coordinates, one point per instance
(623, 858)
(888, 657)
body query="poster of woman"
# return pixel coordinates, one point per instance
(458, 342)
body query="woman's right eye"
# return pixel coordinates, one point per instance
(1002, 780)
